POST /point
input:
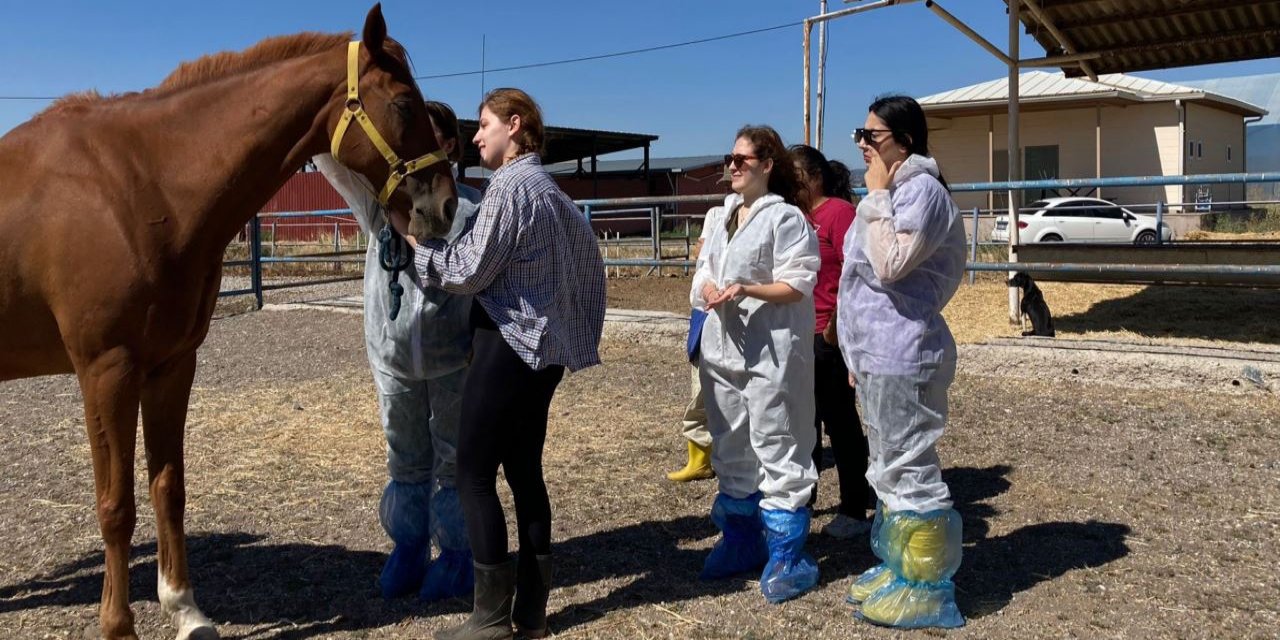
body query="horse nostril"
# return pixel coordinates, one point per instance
(450, 208)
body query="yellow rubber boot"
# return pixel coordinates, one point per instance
(699, 466)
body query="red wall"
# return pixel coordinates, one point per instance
(311, 192)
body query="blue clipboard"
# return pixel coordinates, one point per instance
(697, 318)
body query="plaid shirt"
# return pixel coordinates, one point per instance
(530, 258)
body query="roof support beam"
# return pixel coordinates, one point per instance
(965, 29)
(1067, 47)
(1060, 61)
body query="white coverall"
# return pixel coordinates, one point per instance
(757, 357)
(906, 254)
(419, 359)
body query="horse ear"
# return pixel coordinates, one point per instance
(375, 29)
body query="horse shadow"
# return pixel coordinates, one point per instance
(297, 590)
(287, 591)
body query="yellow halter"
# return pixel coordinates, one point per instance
(355, 110)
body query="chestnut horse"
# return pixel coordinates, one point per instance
(114, 215)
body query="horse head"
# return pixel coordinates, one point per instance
(383, 132)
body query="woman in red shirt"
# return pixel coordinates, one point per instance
(829, 194)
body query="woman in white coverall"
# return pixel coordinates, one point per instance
(419, 362)
(904, 259)
(755, 276)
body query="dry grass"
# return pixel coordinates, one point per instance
(979, 312)
(1198, 234)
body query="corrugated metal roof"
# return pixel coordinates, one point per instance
(1262, 90)
(1132, 35)
(1033, 84)
(683, 163)
(563, 143)
(1048, 88)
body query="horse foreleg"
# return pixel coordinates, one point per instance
(110, 384)
(165, 395)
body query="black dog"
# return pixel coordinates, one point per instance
(1033, 306)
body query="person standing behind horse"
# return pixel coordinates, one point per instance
(531, 260)
(755, 275)
(419, 361)
(829, 196)
(693, 424)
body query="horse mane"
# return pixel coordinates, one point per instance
(217, 66)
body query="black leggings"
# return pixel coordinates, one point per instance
(504, 422)
(836, 409)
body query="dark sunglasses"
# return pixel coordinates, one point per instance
(868, 135)
(737, 159)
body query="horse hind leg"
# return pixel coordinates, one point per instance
(110, 385)
(165, 395)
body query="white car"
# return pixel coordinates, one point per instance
(1081, 220)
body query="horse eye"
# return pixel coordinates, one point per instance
(404, 109)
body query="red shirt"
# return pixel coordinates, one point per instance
(831, 221)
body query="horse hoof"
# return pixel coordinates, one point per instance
(199, 633)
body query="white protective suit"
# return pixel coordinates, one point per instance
(757, 357)
(419, 363)
(905, 259)
(428, 342)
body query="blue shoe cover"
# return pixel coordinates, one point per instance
(741, 547)
(405, 515)
(790, 571)
(452, 574)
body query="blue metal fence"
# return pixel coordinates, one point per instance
(256, 262)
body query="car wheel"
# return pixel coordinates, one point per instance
(1146, 237)
(1051, 237)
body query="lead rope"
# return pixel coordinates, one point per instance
(393, 257)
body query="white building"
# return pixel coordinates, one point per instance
(1074, 128)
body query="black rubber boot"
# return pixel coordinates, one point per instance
(533, 586)
(491, 614)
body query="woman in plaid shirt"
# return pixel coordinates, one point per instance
(531, 260)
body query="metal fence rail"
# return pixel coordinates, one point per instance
(656, 206)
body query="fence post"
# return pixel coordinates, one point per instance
(255, 257)
(973, 246)
(274, 236)
(688, 243)
(1160, 221)
(655, 223)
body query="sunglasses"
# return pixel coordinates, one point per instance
(737, 159)
(868, 135)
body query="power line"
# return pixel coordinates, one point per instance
(552, 63)
(616, 54)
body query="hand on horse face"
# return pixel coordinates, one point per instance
(401, 225)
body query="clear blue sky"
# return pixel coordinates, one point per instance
(693, 97)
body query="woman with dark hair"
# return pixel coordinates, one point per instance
(904, 260)
(757, 269)
(828, 194)
(531, 260)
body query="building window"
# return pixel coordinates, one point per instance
(1228, 153)
(1199, 149)
(1191, 148)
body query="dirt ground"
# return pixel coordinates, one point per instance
(979, 312)
(1092, 509)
